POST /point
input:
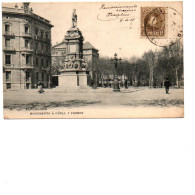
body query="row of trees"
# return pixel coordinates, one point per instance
(149, 70)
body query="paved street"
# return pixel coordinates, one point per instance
(101, 97)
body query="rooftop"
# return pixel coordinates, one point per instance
(26, 12)
(88, 45)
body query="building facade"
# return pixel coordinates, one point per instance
(26, 48)
(90, 53)
(59, 52)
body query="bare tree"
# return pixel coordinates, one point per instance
(174, 56)
(150, 58)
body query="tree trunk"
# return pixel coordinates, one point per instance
(177, 81)
(151, 78)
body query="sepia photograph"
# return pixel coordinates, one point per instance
(93, 60)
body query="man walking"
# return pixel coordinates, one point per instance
(167, 84)
(126, 84)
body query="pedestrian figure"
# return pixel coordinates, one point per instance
(40, 87)
(126, 84)
(105, 84)
(110, 84)
(92, 83)
(167, 84)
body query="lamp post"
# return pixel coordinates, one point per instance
(115, 60)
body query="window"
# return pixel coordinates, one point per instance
(7, 42)
(41, 34)
(46, 36)
(27, 76)
(8, 76)
(26, 28)
(36, 32)
(42, 76)
(7, 27)
(37, 46)
(8, 85)
(7, 59)
(42, 46)
(42, 62)
(37, 76)
(26, 43)
(47, 63)
(27, 59)
(37, 61)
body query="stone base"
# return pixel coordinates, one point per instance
(72, 79)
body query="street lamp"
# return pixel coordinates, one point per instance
(115, 60)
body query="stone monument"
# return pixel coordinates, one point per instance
(73, 73)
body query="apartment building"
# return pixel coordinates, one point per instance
(26, 48)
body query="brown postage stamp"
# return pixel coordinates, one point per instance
(153, 22)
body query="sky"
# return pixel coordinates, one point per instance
(108, 34)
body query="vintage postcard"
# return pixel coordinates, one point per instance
(93, 60)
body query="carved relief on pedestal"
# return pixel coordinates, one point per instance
(70, 64)
(73, 34)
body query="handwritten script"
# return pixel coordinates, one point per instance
(122, 13)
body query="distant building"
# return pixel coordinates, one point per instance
(59, 53)
(26, 48)
(90, 53)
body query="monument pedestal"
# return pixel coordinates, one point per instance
(71, 79)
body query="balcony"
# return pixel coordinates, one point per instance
(45, 53)
(8, 80)
(27, 50)
(45, 67)
(27, 66)
(39, 52)
(8, 65)
(9, 48)
(27, 35)
(8, 33)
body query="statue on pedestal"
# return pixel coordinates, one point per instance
(74, 73)
(74, 19)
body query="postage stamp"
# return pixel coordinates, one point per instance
(153, 22)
